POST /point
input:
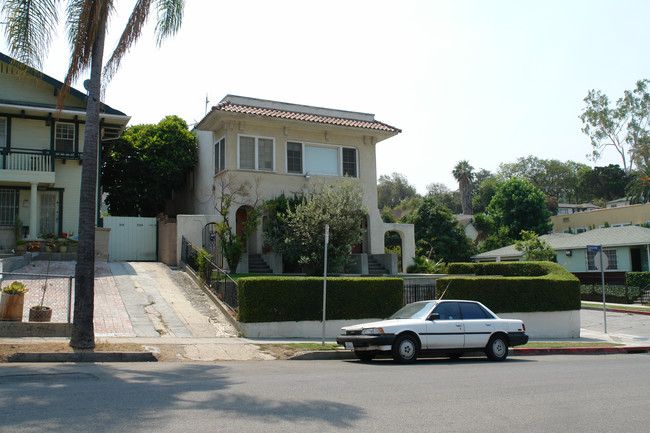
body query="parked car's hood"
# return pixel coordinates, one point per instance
(386, 324)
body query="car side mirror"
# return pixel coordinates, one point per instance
(434, 316)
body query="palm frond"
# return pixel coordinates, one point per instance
(29, 28)
(170, 16)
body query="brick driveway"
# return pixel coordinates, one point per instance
(111, 318)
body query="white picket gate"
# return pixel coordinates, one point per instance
(132, 238)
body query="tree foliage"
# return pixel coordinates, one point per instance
(437, 232)
(393, 189)
(534, 248)
(443, 195)
(165, 152)
(607, 183)
(303, 237)
(624, 127)
(638, 190)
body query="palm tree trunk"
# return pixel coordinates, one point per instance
(83, 332)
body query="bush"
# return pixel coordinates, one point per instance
(514, 286)
(618, 294)
(281, 299)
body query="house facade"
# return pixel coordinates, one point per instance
(620, 216)
(625, 249)
(41, 150)
(281, 148)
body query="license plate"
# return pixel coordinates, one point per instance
(349, 345)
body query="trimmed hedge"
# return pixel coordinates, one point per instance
(618, 294)
(640, 280)
(514, 286)
(281, 299)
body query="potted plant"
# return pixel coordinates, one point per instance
(21, 246)
(50, 246)
(11, 303)
(63, 247)
(34, 246)
(41, 313)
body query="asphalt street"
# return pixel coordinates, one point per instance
(532, 394)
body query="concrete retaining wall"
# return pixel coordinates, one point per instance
(550, 324)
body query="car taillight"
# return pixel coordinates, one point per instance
(524, 326)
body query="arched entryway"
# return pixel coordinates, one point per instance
(393, 244)
(241, 217)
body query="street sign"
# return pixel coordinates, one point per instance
(594, 248)
(601, 258)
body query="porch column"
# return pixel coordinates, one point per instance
(33, 212)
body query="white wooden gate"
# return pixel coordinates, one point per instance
(132, 238)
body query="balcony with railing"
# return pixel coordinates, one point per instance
(26, 165)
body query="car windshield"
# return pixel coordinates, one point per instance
(416, 310)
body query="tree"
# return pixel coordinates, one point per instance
(518, 206)
(232, 239)
(534, 248)
(484, 193)
(165, 152)
(437, 232)
(445, 196)
(463, 173)
(608, 182)
(340, 206)
(638, 190)
(624, 127)
(30, 26)
(393, 189)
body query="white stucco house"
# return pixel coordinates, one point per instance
(41, 150)
(277, 148)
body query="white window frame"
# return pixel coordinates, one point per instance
(257, 152)
(339, 158)
(56, 136)
(612, 260)
(220, 165)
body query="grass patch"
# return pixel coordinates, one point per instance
(562, 344)
(618, 306)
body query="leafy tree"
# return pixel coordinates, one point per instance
(608, 182)
(30, 26)
(393, 189)
(232, 240)
(464, 174)
(534, 248)
(518, 206)
(340, 206)
(437, 232)
(443, 195)
(165, 152)
(638, 190)
(484, 193)
(624, 127)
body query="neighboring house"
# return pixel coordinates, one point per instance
(626, 249)
(279, 147)
(467, 223)
(41, 151)
(569, 208)
(632, 215)
(618, 202)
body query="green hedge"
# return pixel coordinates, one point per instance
(514, 286)
(279, 299)
(639, 280)
(617, 294)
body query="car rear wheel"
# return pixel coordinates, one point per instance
(405, 349)
(497, 348)
(365, 356)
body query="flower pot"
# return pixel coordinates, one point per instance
(63, 248)
(20, 248)
(40, 314)
(11, 307)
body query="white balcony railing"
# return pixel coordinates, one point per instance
(25, 161)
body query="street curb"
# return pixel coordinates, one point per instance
(83, 357)
(617, 310)
(324, 355)
(579, 350)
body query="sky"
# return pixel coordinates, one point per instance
(483, 81)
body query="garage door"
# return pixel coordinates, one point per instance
(132, 238)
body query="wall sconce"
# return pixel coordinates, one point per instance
(307, 176)
(25, 203)
(568, 252)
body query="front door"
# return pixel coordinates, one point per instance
(49, 210)
(635, 256)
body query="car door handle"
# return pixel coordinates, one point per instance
(460, 326)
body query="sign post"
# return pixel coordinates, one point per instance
(327, 238)
(601, 262)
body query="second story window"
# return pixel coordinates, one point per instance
(64, 137)
(349, 155)
(294, 157)
(220, 156)
(256, 153)
(3, 132)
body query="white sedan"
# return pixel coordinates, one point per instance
(449, 328)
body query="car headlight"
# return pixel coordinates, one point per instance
(372, 331)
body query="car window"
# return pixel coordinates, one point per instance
(448, 311)
(472, 311)
(416, 310)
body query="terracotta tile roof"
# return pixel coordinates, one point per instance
(305, 116)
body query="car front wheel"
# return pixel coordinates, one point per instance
(405, 349)
(497, 348)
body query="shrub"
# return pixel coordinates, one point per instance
(281, 299)
(514, 286)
